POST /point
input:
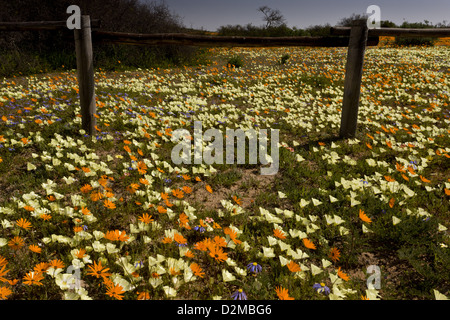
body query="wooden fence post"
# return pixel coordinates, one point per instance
(353, 76)
(85, 73)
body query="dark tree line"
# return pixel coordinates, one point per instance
(52, 49)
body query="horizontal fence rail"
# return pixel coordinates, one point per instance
(396, 32)
(40, 25)
(221, 41)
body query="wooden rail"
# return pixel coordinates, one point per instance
(396, 32)
(220, 41)
(40, 25)
(356, 38)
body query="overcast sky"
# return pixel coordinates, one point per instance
(211, 14)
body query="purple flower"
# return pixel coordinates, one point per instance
(321, 287)
(239, 295)
(254, 267)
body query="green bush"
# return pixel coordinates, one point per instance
(285, 58)
(429, 42)
(235, 61)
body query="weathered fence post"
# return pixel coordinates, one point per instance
(353, 76)
(85, 73)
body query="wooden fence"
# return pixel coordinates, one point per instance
(356, 38)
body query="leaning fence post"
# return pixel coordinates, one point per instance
(353, 76)
(85, 73)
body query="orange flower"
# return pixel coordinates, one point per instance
(96, 195)
(56, 263)
(4, 292)
(411, 170)
(109, 204)
(405, 177)
(33, 278)
(391, 202)
(142, 167)
(197, 270)
(164, 196)
(400, 167)
(186, 177)
(219, 241)
(342, 275)
(232, 234)
(161, 209)
(424, 179)
(167, 240)
(77, 229)
(334, 254)
(364, 217)
(2, 273)
(86, 188)
(146, 218)
(143, 295)
(218, 254)
(178, 193)
(41, 267)
(144, 181)
(29, 208)
(198, 179)
(114, 290)
(201, 246)
(237, 200)
(279, 234)
(116, 235)
(85, 211)
(97, 270)
(447, 191)
(189, 254)
(283, 294)
(389, 144)
(369, 146)
(184, 220)
(187, 189)
(309, 244)
(34, 248)
(86, 170)
(209, 189)
(16, 243)
(179, 238)
(389, 178)
(81, 253)
(24, 140)
(23, 223)
(293, 267)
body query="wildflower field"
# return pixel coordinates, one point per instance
(111, 217)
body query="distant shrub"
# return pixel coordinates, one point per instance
(429, 42)
(235, 61)
(285, 58)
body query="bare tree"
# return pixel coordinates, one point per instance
(272, 17)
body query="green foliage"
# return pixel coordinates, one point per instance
(284, 58)
(429, 42)
(235, 61)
